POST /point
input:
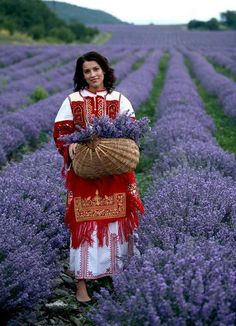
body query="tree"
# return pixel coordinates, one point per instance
(212, 24)
(63, 34)
(37, 32)
(81, 31)
(36, 19)
(196, 24)
(229, 18)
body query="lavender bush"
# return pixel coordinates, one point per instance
(159, 36)
(123, 67)
(200, 204)
(195, 285)
(197, 155)
(222, 59)
(33, 235)
(11, 54)
(215, 83)
(27, 276)
(132, 86)
(50, 71)
(170, 131)
(185, 272)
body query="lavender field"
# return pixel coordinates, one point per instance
(184, 271)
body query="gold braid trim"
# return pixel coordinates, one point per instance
(100, 208)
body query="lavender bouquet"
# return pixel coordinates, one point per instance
(105, 127)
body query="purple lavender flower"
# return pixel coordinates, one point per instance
(33, 235)
(198, 155)
(200, 204)
(195, 285)
(214, 82)
(121, 127)
(22, 260)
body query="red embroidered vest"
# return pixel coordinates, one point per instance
(84, 108)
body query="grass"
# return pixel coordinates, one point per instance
(101, 38)
(30, 147)
(137, 64)
(15, 38)
(226, 126)
(38, 94)
(148, 109)
(21, 38)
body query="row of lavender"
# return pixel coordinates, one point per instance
(207, 123)
(26, 125)
(15, 54)
(32, 209)
(223, 59)
(36, 64)
(214, 83)
(11, 54)
(20, 94)
(160, 36)
(50, 58)
(185, 272)
(32, 231)
(50, 71)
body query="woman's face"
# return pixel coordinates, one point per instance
(94, 75)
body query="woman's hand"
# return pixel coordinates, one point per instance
(72, 150)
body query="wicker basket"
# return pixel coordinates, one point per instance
(105, 156)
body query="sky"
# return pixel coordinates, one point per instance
(159, 12)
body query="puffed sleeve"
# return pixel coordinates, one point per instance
(126, 106)
(64, 125)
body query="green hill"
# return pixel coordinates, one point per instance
(34, 18)
(70, 12)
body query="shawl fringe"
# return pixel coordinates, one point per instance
(82, 231)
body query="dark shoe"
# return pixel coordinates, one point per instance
(85, 303)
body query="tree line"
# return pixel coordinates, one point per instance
(34, 18)
(227, 21)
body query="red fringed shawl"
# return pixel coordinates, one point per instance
(94, 203)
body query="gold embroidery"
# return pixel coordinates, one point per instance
(106, 207)
(78, 109)
(84, 110)
(69, 197)
(112, 109)
(100, 106)
(133, 190)
(89, 107)
(94, 107)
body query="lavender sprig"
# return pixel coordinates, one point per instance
(120, 127)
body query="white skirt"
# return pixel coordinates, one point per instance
(92, 262)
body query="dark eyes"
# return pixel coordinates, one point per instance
(88, 71)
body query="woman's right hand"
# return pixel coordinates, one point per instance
(72, 150)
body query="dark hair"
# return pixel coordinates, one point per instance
(109, 77)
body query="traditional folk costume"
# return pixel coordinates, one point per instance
(100, 213)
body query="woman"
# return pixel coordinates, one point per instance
(100, 213)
